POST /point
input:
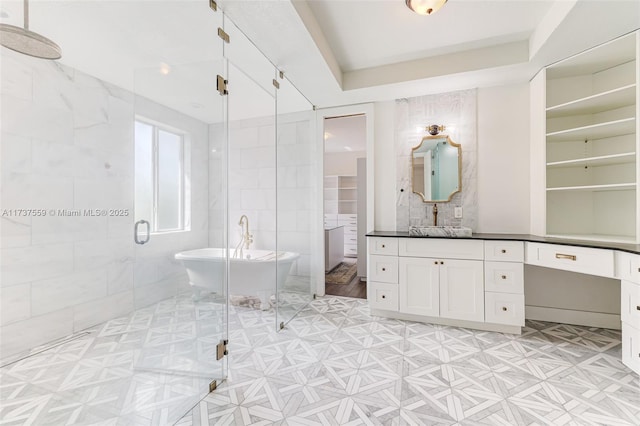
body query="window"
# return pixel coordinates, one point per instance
(161, 154)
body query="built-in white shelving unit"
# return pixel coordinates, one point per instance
(341, 209)
(591, 122)
(340, 194)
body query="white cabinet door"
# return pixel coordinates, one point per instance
(419, 286)
(462, 290)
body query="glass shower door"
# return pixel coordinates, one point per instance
(180, 277)
(297, 212)
(180, 214)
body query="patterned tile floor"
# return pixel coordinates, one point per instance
(335, 364)
(332, 364)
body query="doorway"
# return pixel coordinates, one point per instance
(344, 194)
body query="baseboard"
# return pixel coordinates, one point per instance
(568, 316)
(510, 329)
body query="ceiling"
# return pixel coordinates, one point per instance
(381, 32)
(345, 134)
(340, 52)
(336, 52)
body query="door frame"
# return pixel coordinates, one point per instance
(321, 113)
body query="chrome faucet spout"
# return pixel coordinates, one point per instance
(435, 214)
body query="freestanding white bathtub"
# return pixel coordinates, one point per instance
(252, 275)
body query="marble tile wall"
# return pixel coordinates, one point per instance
(457, 111)
(67, 143)
(272, 186)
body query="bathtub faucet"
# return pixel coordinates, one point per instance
(246, 236)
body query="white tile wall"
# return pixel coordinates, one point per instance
(273, 198)
(67, 143)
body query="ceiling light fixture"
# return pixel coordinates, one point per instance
(425, 7)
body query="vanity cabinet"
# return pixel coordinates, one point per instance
(630, 309)
(419, 281)
(443, 281)
(382, 274)
(584, 117)
(478, 283)
(504, 282)
(462, 289)
(442, 278)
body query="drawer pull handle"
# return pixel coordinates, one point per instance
(566, 256)
(638, 307)
(384, 269)
(383, 246)
(384, 297)
(503, 251)
(435, 263)
(504, 277)
(504, 308)
(441, 262)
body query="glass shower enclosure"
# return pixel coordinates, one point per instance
(145, 145)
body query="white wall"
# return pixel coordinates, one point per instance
(503, 159)
(67, 143)
(342, 163)
(384, 167)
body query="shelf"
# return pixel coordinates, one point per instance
(596, 237)
(609, 187)
(604, 160)
(595, 131)
(605, 101)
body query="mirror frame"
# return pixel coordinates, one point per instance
(453, 144)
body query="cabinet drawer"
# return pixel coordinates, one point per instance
(630, 303)
(441, 248)
(504, 308)
(350, 239)
(504, 277)
(628, 266)
(631, 347)
(576, 259)
(347, 217)
(350, 250)
(330, 223)
(353, 222)
(383, 296)
(504, 251)
(352, 230)
(384, 246)
(383, 269)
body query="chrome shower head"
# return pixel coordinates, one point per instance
(27, 42)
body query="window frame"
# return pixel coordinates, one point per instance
(183, 211)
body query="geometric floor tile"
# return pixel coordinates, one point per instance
(333, 364)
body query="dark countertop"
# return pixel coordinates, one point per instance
(630, 248)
